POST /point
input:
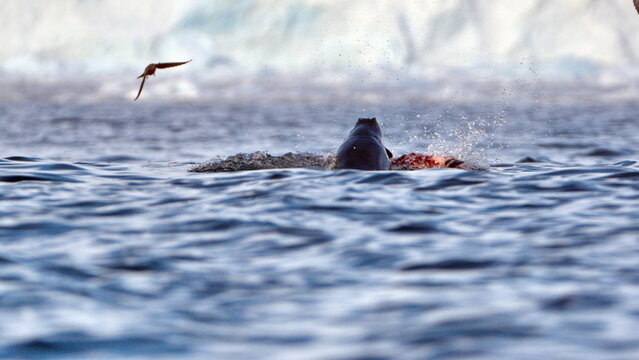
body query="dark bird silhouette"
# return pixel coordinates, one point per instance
(637, 6)
(150, 70)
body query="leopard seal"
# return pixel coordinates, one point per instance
(363, 149)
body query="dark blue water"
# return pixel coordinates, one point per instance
(111, 248)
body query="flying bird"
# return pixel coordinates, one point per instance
(150, 70)
(637, 6)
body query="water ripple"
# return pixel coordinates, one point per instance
(124, 260)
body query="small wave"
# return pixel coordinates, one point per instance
(605, 152)
(79, 342)
(450, 264)
(37, 177)
(579, 301)
(22, 158)
(21, 168)
(118, 159)
(36, 228)
(623, 175)
(415, 227)
(530, 159)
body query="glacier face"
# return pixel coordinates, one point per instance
(567, 38)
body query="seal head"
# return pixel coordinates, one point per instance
(363, 148)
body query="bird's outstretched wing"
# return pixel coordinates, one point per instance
(141, 86)
(150, 70)
(637, 6)
(170, 64)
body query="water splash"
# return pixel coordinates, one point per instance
(472, 141)
(475, 139)
(259, 160)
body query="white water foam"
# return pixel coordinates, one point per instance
(259, 160)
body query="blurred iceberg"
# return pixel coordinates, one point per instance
(574, 39)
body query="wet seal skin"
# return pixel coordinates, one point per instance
(363, 148)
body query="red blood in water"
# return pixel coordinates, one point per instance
(414, 161)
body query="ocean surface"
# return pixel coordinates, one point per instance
(111, 247)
